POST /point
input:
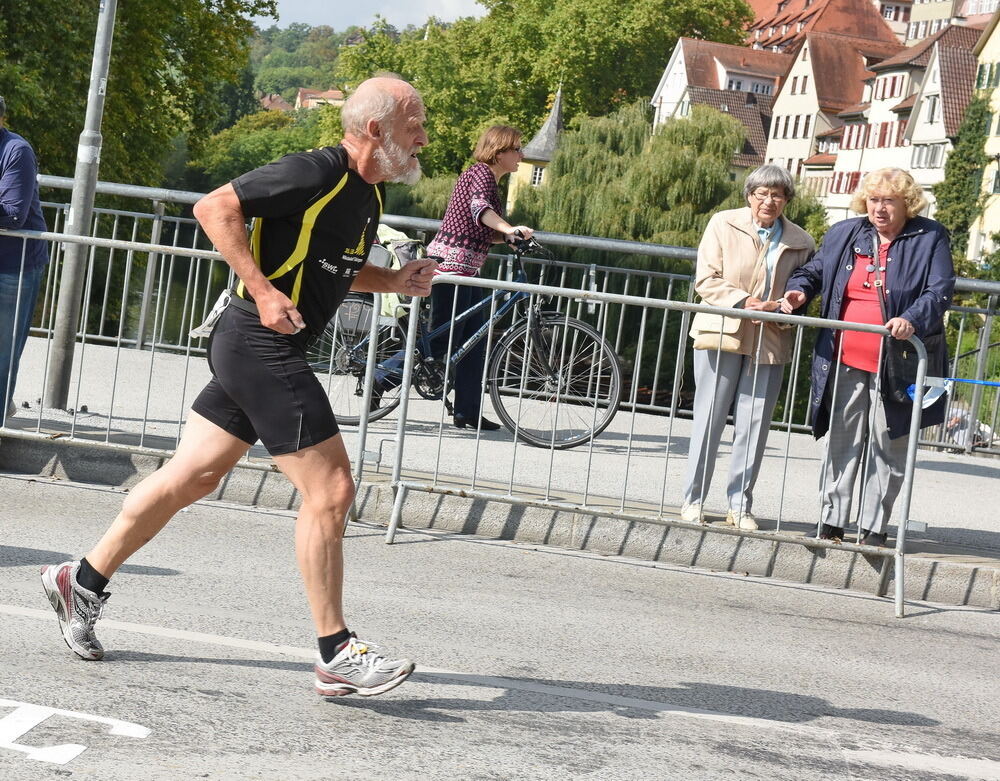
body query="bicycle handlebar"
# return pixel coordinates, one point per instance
(525, 246)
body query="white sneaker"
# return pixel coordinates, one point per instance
(742, 520)
(692, 512)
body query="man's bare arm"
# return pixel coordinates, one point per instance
(223, 221)
(413, 279)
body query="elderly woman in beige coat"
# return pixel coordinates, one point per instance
(744, 260)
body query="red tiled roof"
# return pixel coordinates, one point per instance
(754, 111)
(700, 62)
(860, 108)
(275, 102)
(958, 75)
(905, 105)
(919, 54)
(857, 18)
(840, 64)
(833, 132)
(819, 160)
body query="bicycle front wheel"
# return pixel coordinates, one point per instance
(340, 359)
(555, 383)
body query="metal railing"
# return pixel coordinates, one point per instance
(521, 475)
(166, 285)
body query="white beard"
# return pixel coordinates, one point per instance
(395, 163)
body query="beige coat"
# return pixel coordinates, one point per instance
(728, 272)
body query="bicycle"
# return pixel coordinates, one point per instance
(554, 381)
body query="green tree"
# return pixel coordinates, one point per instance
(505, 66)
(959, 195)
(254, 141)
(612, 177)
(168, 58)
(808, 212)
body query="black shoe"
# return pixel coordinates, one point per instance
(876, 539)
(484, 423)
(832, 533)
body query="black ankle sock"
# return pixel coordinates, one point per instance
(329, 645)
(90, 578)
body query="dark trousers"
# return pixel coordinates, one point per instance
(468, 373)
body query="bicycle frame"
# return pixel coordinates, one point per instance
(426, 340)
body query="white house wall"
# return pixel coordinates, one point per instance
(794, 118)
(671, 88)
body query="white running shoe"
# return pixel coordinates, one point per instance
(742, 520)
(359, 668)
(692, 512)
(77, 608)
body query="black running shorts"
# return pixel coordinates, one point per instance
(262, 387)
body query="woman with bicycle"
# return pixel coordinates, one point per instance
(472, 223)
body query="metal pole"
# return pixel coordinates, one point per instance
(151, 265)
(977, 390)
(88, 157)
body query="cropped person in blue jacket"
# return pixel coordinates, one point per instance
(892, 249)
(22, 261)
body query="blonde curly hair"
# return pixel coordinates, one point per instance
(890, 181)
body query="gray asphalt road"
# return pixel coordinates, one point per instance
(532, 664)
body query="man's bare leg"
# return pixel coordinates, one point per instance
(322, 475)
(204, 456)
(75, 589)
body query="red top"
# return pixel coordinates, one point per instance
(861, 350)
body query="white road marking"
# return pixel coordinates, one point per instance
(935, 763)
(26, 716)
(974, 768)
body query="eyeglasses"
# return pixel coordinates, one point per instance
(512, 149)
(763, 195)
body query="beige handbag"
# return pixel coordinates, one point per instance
(715, 332)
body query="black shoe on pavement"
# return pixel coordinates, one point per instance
(832, 533)
(877, 539)
(484, 423)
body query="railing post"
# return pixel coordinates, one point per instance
(147, 285)
(88, 157)
(977, 390)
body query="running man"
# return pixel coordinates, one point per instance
(315, 216)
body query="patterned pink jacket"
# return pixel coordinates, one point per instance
(463, 241)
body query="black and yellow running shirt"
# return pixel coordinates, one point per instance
(314, 220)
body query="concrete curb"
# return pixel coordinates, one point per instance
(762, 554)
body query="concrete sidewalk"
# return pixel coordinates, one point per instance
(618, 497)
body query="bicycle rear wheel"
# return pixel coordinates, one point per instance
(340, 359)
(555, 384)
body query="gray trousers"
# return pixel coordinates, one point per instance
(725, 381)
(858, 433)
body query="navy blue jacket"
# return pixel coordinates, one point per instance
(919, 282)
(20, 208)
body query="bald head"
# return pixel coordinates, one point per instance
(377, 99)
(383, 124)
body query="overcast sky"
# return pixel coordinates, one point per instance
(342, 14)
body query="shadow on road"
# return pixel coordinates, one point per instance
(554, 696)
(13, 556)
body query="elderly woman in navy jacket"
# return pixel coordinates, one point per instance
(889, 249)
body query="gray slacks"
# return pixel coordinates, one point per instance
(725, 381)
(858, 433)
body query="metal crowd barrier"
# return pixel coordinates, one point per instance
(501, 469)
(163, 289)
(136, 399)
